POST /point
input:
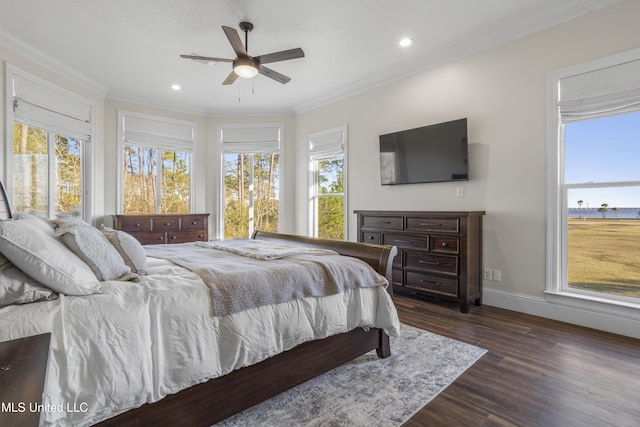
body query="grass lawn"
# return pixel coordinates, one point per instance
(604, 256)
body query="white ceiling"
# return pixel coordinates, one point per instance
(130, 49)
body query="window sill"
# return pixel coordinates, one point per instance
(592, 303)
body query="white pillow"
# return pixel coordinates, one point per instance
(129, 248)
(95, 250)
(18, 288)
(33, 248)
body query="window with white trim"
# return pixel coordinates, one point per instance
(250, 179)
(51, 130)
(594, 184)
(327, 183)
(156, 171)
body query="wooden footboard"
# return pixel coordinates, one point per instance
(380, 257)
(207, 403)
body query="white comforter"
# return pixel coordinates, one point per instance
(137, 342)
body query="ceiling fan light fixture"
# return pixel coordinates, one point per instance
(406, 42)
(245, 67)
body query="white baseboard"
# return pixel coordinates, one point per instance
(584, 313)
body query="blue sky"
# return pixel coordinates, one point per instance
(604, 150)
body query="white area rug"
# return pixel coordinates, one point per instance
(370, 391)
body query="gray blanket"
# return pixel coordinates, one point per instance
(239, 283)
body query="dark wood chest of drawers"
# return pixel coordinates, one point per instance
(439, 253)
(161, 229)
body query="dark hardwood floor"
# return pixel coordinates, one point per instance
(537, 372)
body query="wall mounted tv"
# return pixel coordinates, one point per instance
(433, 153)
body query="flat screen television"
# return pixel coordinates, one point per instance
(433, 153)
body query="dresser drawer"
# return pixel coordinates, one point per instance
(166, 223)
(426, 261)
(150, 237)
(192, 223)
(446, 225)
(444, 244)
(135, 224)
(371, 237)
(432, 283)
(383, 222)
(186, 236)
(406, 241)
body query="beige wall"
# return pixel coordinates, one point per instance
(503, 93)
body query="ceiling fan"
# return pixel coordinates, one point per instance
(248, 66)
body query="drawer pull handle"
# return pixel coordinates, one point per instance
(426, 224)
(160, 238)
(194, 223)
(371, 238)
(138, 225)
(428, 262)
(444, 244)
(430, 281)
(167, 223)
(173, 237)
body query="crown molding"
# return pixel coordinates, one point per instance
(28, 52)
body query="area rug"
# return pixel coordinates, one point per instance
(370, 391)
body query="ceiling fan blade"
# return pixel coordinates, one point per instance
(280, 56)
(274, 75)
(205, 58)
(230, 78)
(236, 42)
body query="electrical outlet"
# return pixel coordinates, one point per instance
(487, 274)
(459, 191)
(497, 275)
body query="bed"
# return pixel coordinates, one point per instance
(140, 353)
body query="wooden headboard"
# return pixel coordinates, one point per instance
(5, 208)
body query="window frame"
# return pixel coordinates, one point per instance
(87, 158)
(557, 289)
(221, 151)
(159, 147)
(313, 195)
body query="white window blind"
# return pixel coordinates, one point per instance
(326, 145)
(250, 139)
(603, 92)
(157, 132)
(43, 105)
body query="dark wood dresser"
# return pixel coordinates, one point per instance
(161, 229)
(439, 253)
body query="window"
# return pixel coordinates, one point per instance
(595, 189)
(156, 171)
(327, 200)
(51, 133)
(250, 179)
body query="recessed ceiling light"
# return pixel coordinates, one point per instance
(175, 87)
(406, 42)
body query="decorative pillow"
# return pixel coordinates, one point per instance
(129, 249)
(42, 222)
(33, 248)
(95, 250)
(18, 288)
